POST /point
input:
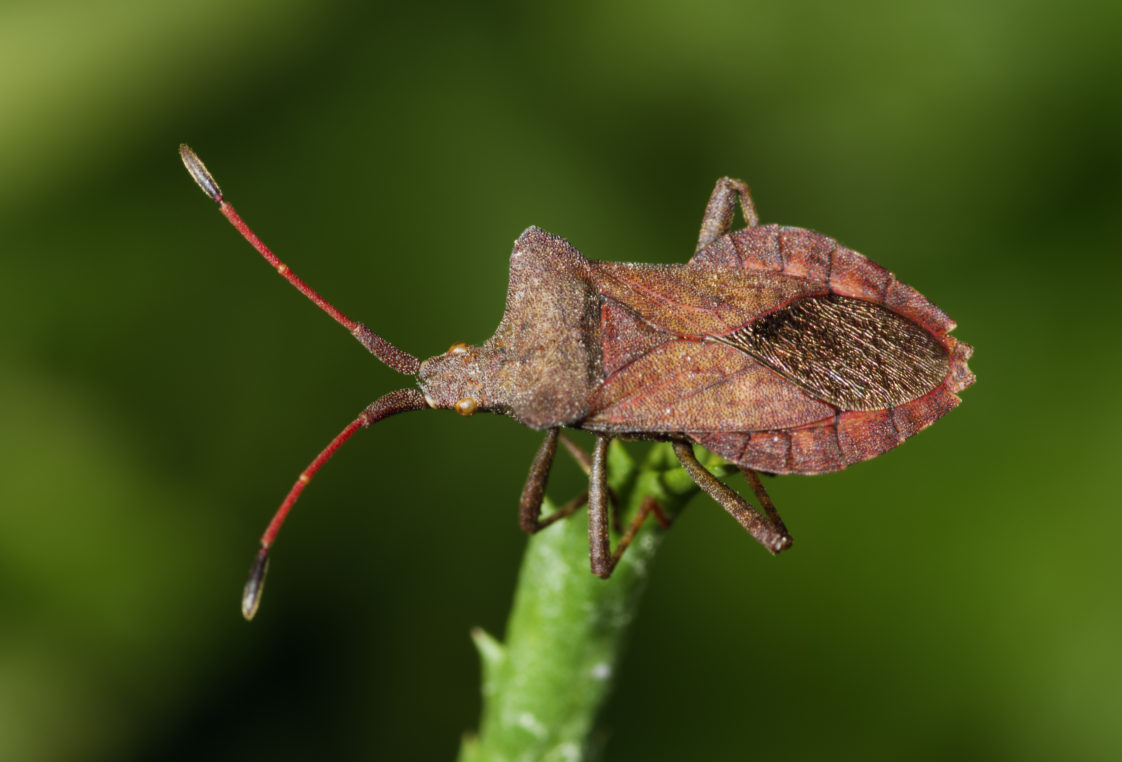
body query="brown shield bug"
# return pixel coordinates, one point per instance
(774, 347)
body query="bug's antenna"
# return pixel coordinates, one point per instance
(401, 401)
(398, 359)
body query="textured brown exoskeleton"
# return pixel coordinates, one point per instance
(774, 347)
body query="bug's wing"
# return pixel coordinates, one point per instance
(810, 256)
(769, 367)
(829, 444)
(659, 383)
(698, 300)
(730, 402)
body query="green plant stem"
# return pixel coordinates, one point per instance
(544, 687)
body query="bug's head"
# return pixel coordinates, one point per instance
(456, 380)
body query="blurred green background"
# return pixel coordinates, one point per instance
(957, 598)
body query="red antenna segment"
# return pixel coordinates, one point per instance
(398, 359)
(401, 401)
(393, 403)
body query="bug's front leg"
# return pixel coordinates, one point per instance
(721, 207)
(768, 529)
(533, 492)
(599, 499)
(530, 505)
(583, 459)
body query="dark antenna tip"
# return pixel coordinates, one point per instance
(255, 585)
(200, 173)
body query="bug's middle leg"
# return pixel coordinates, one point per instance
(721, 207)
(599, 499)
(584, 460)
(601, 555)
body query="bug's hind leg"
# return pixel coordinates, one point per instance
(766, 527)
(719, 211)
(757, 486)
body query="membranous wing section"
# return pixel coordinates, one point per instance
(852, 354)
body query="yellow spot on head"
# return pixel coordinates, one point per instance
(458, 348)
(466, 406)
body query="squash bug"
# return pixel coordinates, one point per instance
(774, 347)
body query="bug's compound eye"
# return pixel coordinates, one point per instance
(458, 348)
(466, 406)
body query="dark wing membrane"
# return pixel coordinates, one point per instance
(849, 353)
